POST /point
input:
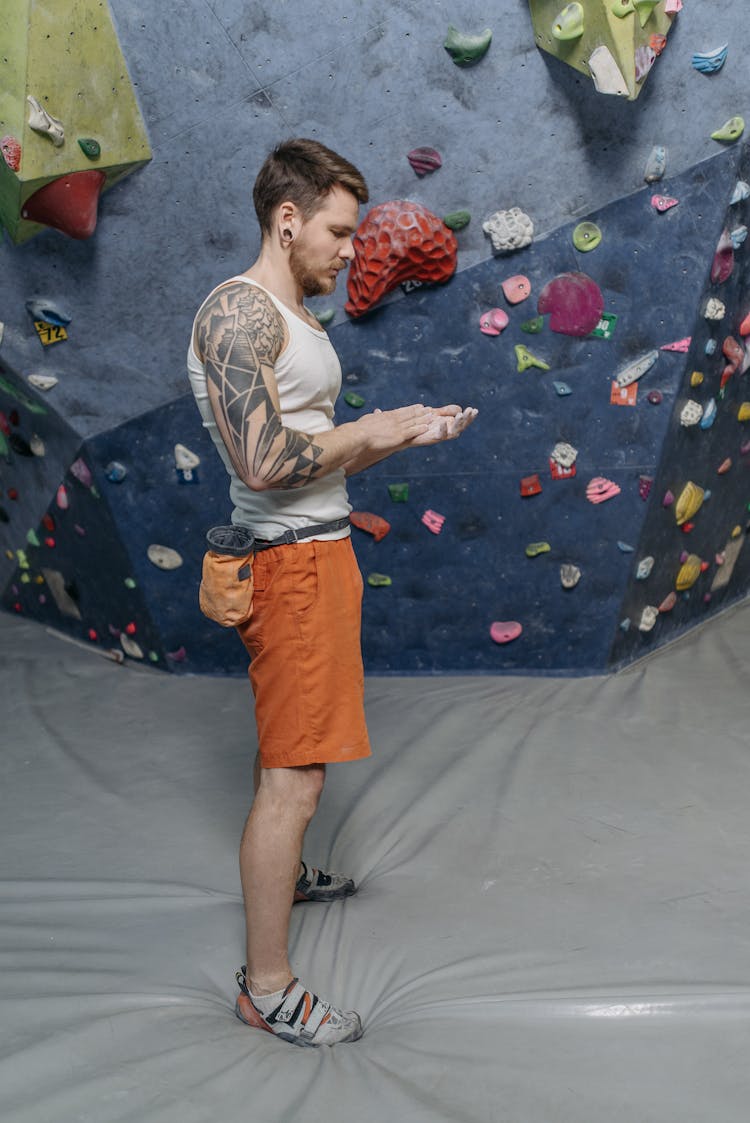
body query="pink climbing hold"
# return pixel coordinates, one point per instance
(516, 288)
(682, 345)
(433, 521)
(493, 322)
(645, 484)
(11, 151)
(574, 302)
(669, 602)
(62, 498)
(503, 631)
(599, 490)
(668, 499)
(662, 203)
(745, 325)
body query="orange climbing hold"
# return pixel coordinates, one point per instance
(372, 524)
(398, 241)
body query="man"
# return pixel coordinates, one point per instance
(265, 377)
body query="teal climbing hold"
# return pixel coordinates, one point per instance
(90, 147)
(562, 389)
(32, 538)
(324, 318)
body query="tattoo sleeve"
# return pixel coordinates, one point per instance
(240, 335)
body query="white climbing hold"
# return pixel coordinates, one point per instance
(691, 413)
(184, 458)
(606, 73)
(649, 616)
(43, 122)
(42, 381)
(164, 557)
(636, 370)
(509, 230)
(130, 647)
(570, 575)
(564, 454)
(645, 565)
(741, 191)
(715, 309)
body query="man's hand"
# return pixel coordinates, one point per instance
(386, 431)
(448, 423)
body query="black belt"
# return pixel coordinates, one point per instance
(238, 541)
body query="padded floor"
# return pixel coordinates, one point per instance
(553, 922)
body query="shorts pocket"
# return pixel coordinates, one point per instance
(302, 577)
(226, 589)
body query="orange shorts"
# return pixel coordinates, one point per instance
(306, 657)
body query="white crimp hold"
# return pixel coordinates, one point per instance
(43, 122)
(509, 230)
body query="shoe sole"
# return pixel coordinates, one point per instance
(258, 1023)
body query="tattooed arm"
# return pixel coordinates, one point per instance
(240, 335)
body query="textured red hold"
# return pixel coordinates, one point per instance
(69, 203)
(375, 525)
(398, 241)
(11, 151)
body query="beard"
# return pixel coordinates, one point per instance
(313, 281)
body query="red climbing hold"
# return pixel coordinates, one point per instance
(68, 204)
(48, 523)
(398, 241)
(373, 524)
(530, 485)
(12, 493)
(130, 628)
(723, 262)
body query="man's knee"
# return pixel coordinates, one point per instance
(297, 787)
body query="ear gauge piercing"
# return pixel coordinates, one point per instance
(287, 235)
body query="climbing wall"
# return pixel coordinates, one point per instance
(548, 538)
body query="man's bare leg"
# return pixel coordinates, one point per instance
(270, 853)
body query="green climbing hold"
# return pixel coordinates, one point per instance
(568, 24)
(129, 583)
(378, 580)
(399, 493)
(644, 8)
(533, 327)
(33, 538)
(731, 130)
(466, 49)
(23, 561)
(586, 236)
(605, 329)
(90, 147)
(456, 220)
(525, 359)
(324, 318)
(621, 8)
(534, 549)
(356, 401)
(153, 657)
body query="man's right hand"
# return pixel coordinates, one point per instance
(389, 430)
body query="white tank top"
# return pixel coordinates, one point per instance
(308, 374)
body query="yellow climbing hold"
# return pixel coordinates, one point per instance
(736, 531)
(743, 413)
(689, 572)
(696, 378)
(689, 502)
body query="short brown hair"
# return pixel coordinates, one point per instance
(304, 172)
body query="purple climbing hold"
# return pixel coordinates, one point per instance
(655, 397)
(645, 484)
(723, 263)
(668, 499)
(574, 302)
(80, 469)
(425, 160)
